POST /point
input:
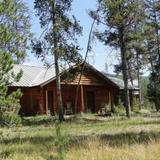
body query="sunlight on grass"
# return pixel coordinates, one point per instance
(96, 151)
(90, 138)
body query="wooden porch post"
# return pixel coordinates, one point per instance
(109, 97)
(82, 99)
(46, 101)
(31, 103)
(111, 100)
(131, 99)
(41, 101)
(54, 100)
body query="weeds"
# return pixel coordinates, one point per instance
(95, 150)
(83, 138)
(60, 141)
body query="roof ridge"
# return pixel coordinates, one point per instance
(27, 65)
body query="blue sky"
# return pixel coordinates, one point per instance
(100, 55)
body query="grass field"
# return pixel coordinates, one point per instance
(86, 137)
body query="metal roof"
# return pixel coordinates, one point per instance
(35, 76)
(120, 82)
(32, 75)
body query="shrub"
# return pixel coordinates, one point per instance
(10, 119)
(9, 107)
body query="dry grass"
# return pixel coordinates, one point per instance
(90, 138)
(94, 150)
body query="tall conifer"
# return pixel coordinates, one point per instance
(59, 40)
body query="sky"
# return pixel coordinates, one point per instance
(98, 57)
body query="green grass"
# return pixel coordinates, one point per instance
(88, 136)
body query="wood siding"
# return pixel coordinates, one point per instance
(34, 100)
(87, 79)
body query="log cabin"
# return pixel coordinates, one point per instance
(38, 85)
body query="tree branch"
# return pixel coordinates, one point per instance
(83, 63)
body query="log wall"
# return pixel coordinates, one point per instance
(34, 99)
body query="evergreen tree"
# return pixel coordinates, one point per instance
(138, 60)
(153, 43)
(59, 40)
(14, 32)
(119, 17)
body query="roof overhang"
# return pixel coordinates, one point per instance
(107, 80)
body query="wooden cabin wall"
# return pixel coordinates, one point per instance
(52, 88)
(104, 96)
(105, 92)
(88, 79)
(32, 101)
(68, 95)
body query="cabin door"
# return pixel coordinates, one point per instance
(91, 101)
(50, 101)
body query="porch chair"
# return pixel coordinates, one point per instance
(68, 109)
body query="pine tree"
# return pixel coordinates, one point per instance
(153, 43)
(138, 60)
(14, 32)
(119, 17)
(59, 40)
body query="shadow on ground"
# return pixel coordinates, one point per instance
(118, 139)
(34, 121)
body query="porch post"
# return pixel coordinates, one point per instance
(41, 103)
(112, 100)
(31, 103)
(55, 104)
(82, 99)
(46, 93)
(111, 96)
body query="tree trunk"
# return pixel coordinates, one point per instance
(58, 87)
(124, 71)
(130, 73)
(158, 52)
(131, 80)
(83, 65)
(155, 86)
(58, 81)
(139, 81)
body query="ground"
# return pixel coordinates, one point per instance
(85, 137)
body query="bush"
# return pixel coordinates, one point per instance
(10, 119)
(9, 107)
(119, 108)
